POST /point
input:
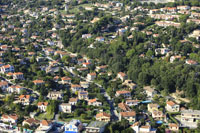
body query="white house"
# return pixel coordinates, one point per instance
(74, 126)
(91, 76)
(3, 85)
(172, 107)
(7, 68)
(9, 118)
(65, 108)
(42, 106)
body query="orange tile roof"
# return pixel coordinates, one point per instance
(42, 103)
(2, 83)
(103, 114)
(24, 96)
(171, 103)
(38, 81)
(124, 106)
(123, 92)
(46, 123)
(128, 114)
(92, 100)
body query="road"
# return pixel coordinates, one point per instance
(113, 112)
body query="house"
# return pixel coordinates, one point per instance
(25, 99)
(173, 127)
(158, 115)
(191, 62)
(73, 101)
(38, 82)
(86, 36)
(45, 126)
(130, 116)
(55, 95)
(123, 107)
(151, 107)
(75, 87)
(65, 108)
(130, 84)
(190, 118)
(100, 39)
(96, 127)
(74, 126)
(66, 80)
(86, 64)
(132, 102)
(9, 118)
(150, 91)
(91, 76)
(31, 122)
(84, 84)
(142, 129)
(94, 102)
(7, 68)
(15, 89)
(103, 117)
(123, 93)
(42, 106)
(183, 7)
(172, 107)
(3, 85)
(101, 68)
(18, 75)
(173, 58)
(83, 95)
(122, 76)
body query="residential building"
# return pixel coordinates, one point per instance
(55, 95)
(130, 84)
(103, 117)
(122, 76)
(74, 126)
(25, 99)
(173, 127)
(94, 102)
(132, 102)
(38, 82)
(9, 118)
(101, 68)
(18, 75)
(45, 126)
(84, 84)
(66, 80)
(151, 107)
(7, 68)
(172, 107)
(150, 91)
(158, 115)
(75, 87)
(3, 85)
(142, 129)
(31, 122)
(15, 89)
(96, 127)
(73, 101)
(83, 95)
(130, 116)
(123, 107)
(91, 76)
(123, 93)
(65, 108)
(42, 106)
(190, 118)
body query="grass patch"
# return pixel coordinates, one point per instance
(43, 116)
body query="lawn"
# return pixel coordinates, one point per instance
(43, 116)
